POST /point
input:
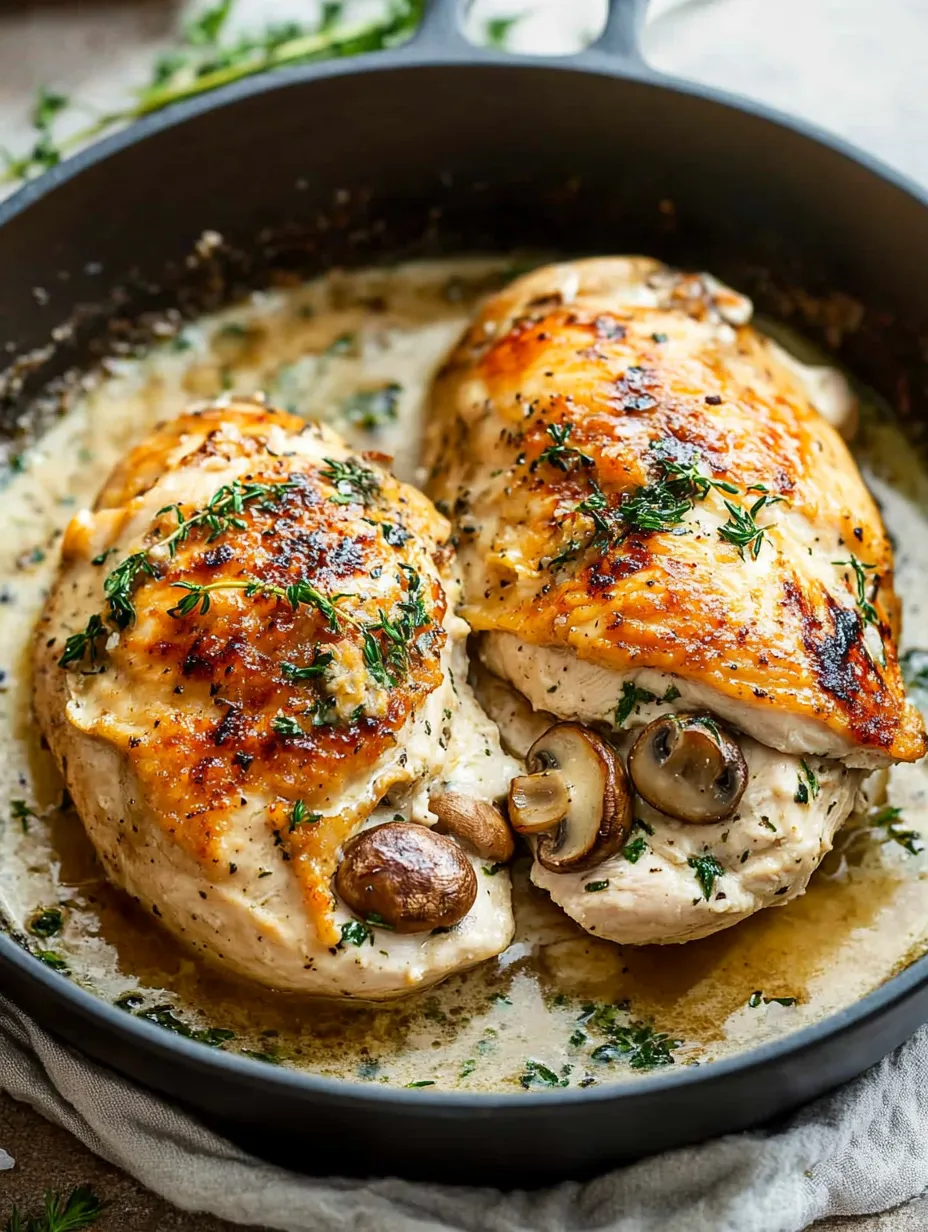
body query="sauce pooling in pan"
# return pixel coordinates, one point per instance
(558, 1007)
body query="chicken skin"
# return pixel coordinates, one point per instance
(250, 666)
(662, 536)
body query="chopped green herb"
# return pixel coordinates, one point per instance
(499, 998)
(53, 960)
(496, 29)
(888, 820)
(21, 812)
(808, 787)
(634, 849)
(163, 1016)
(468, 1068)
(707, 869)
(594, 887)
(914, 664)
(536, 1074)
(301, 816)
(755, 999)
(639, 1045)
(492, 869)
(286, 725)
(372, 408)
(421, 1082)
(46, 923)
(356, 932)
(631, 698)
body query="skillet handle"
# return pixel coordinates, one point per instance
(441, 32)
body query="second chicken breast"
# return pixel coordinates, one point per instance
(665, 542)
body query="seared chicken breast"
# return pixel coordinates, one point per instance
(251, 675)
(663, 538)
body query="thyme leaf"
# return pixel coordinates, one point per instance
(707, 869)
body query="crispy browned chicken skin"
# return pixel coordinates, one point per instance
(249, 655)
(654, 519)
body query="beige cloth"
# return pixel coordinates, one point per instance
(863, 1149)
(855, 66)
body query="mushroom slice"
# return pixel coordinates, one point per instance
(599, 807)
(403, 875)
(537, 802)
(689, 767)
(477, 822)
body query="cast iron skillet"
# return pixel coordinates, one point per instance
(439, 146)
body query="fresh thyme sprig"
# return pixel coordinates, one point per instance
(353, 483)
(297, 593)
(224, 510)
(559, 454)
(741, 529)
(222, 513)
(205, 60)
(868, 612)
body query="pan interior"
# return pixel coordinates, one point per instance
(559, 1008)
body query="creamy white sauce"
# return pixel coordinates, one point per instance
(313, 349)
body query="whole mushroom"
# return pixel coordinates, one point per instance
(477, 822)
(576, 801)
(405, 876)
(689, 767)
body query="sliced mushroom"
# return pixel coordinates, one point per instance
(477, 822)
(403, 875)
(689, 767)
(537, 802)
(599, 806)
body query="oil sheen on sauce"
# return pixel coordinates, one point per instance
(359, 350)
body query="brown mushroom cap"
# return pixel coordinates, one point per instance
(477, 822)
(689, 767)
(538, 802)
(599, 812)
(406, 876)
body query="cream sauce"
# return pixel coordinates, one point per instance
(358, 350)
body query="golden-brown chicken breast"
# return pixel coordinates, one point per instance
(654, 518)
(248, 659)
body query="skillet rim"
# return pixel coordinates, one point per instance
(149, 1037)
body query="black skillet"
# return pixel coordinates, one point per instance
(438, 146)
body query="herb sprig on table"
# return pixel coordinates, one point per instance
(79, 1210)
(205, 58)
